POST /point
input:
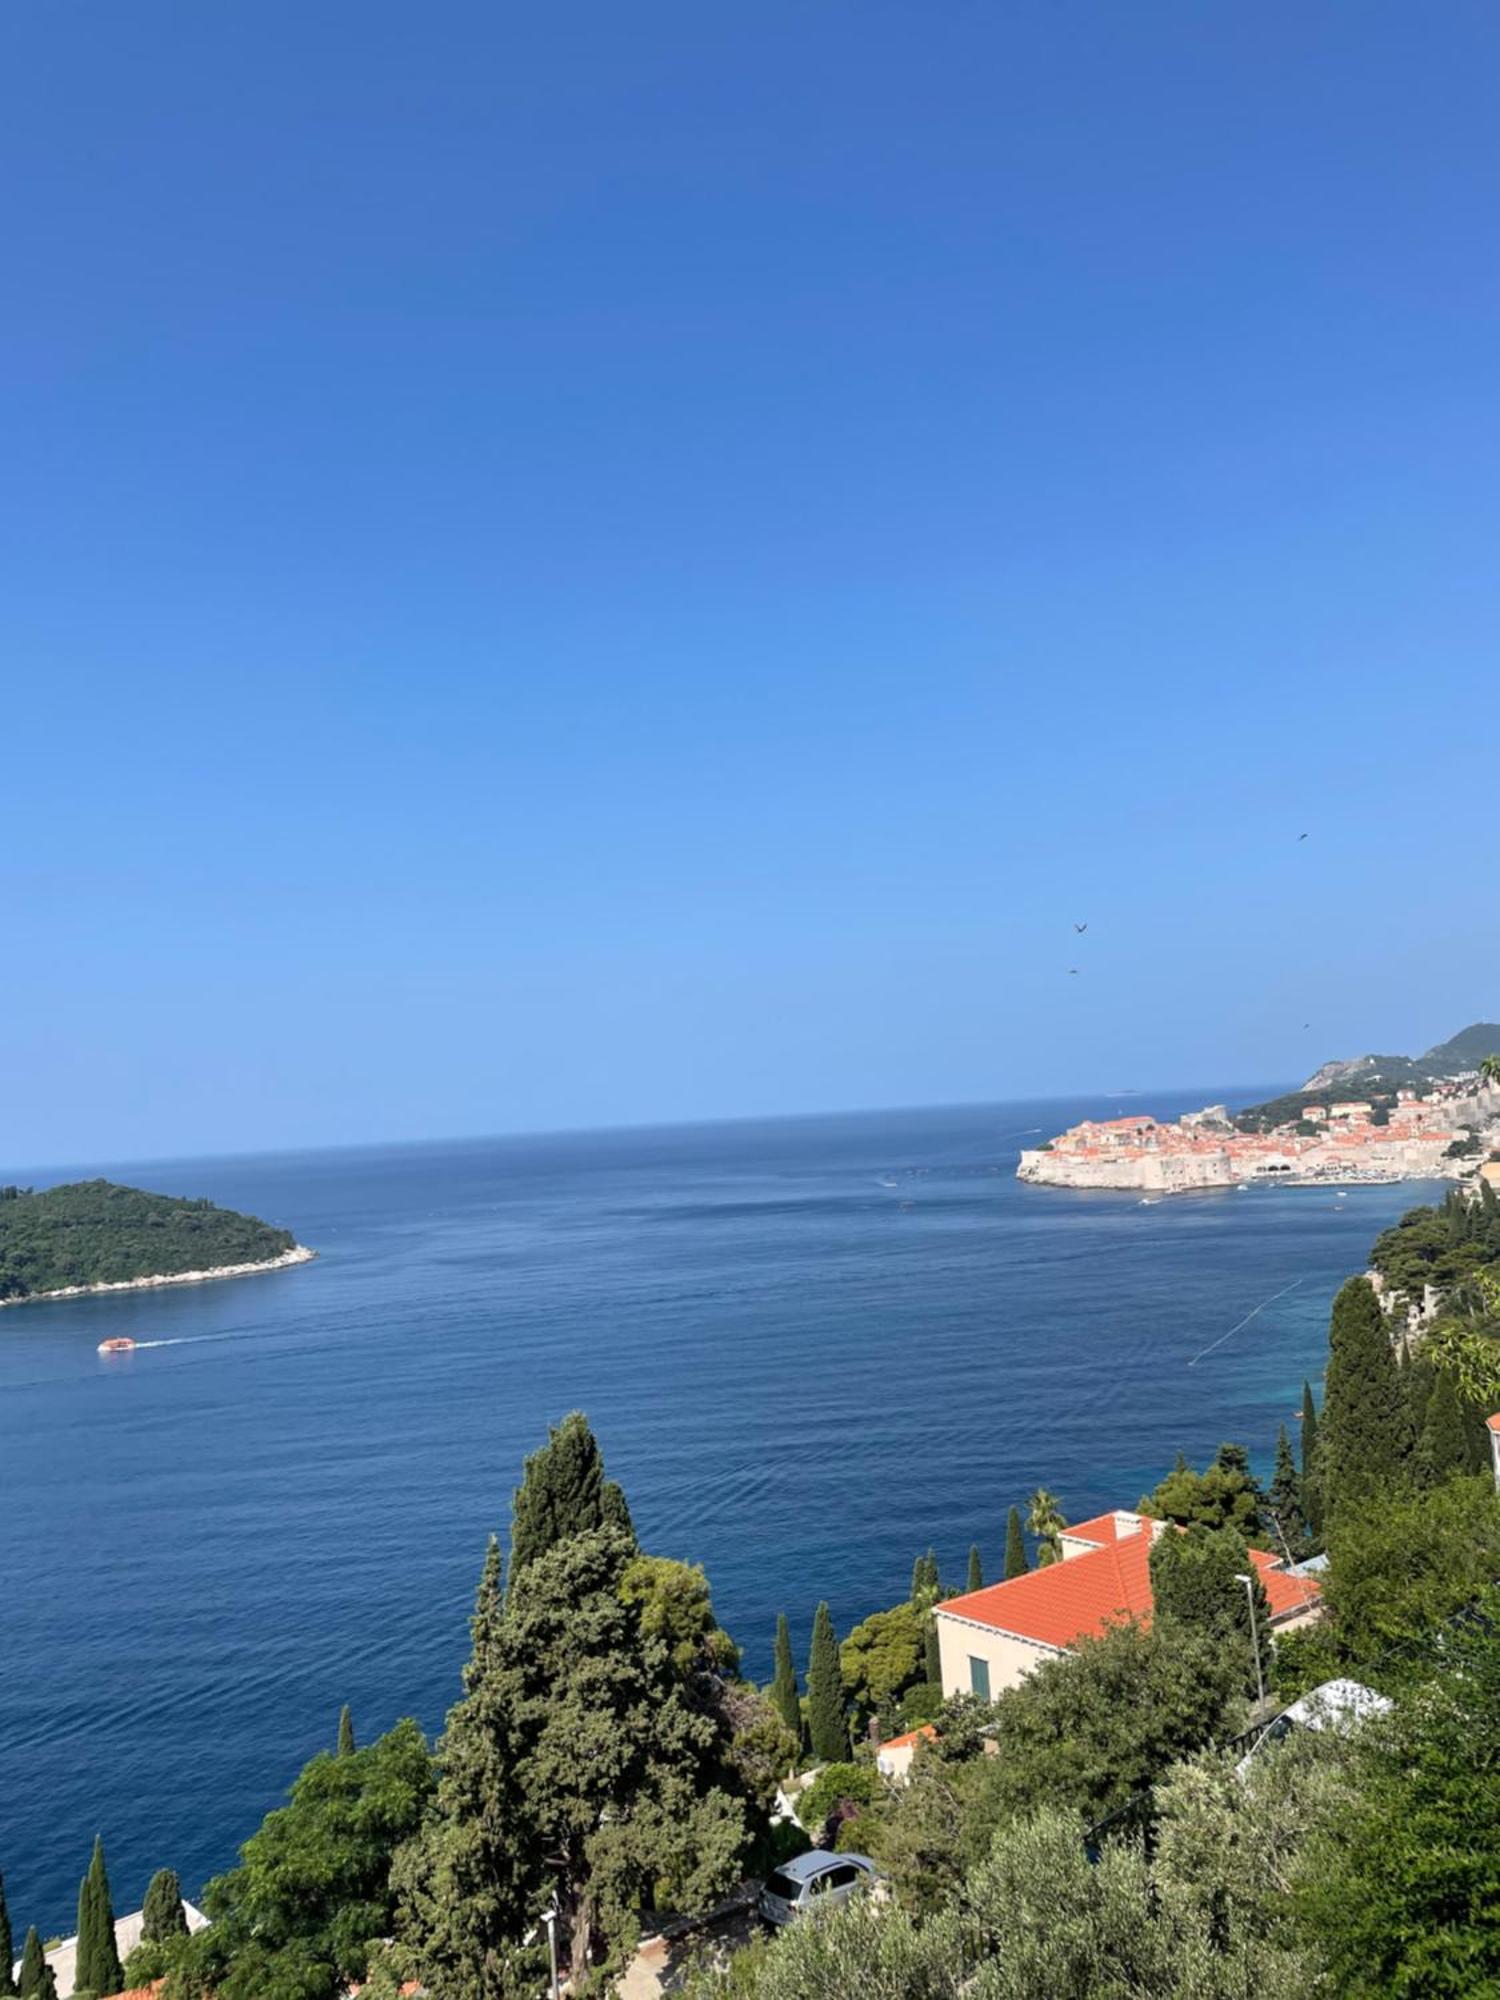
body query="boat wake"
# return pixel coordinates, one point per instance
(1244, 1322)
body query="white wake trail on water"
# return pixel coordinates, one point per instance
(1239, 1324)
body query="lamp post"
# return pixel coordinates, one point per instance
(1260, 1679)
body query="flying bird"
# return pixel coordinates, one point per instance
(1302, 836)
(1080, 928)
(1072, 971)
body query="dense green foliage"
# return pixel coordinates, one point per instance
(1403, 1892)
(97, 1967)
(345, 1746)
(827, 1730)
(836, 1785)
(37, 1980)
(1284, 1511)
(163, 1922)
(1046, 1521)
(1364, 1434)
(1015, 1546)
(881, 1659)
(1312, 1480)
(563, 1492)
(297, 1918)
(1439, 1246)
(585, 1762)
(1226, 1495)
(784, 1697)
(97, 1233)
(162, 1915)
(1197, 1586)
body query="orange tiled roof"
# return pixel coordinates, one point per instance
(1080, 1597)
(1101, 1528)
(911, 1736)
(1493, 1423)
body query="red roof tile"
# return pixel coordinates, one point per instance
(1081, 1596)
(911, 1736)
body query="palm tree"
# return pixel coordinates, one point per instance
(1044, 1517)
(1489, 1070)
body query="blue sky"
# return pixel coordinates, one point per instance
(580, 565)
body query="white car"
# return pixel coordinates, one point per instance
(816, 1880)
(1340, 1705)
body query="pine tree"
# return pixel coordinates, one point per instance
(825, 1693)
(98, 1968)
(582, 1764)
(1312, 1481)
(976, 1570)
(784, 1697)
(563, 1492)
(1015, 1546)
(1365, 1440)
(162, 1914)
(1443, 1449)
(926, 1584)
(1284, 1500)
(38, 1980)
(346, 1732)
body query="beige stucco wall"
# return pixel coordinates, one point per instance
(1010, 1660)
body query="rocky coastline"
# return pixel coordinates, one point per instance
(298, 1254)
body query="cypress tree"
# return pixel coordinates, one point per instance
(1443, 1450)
(38, 1980)
(162, 1914)
(918, 1579)
(976, 1570)
(1365, 1440)
(346, 1732)
(1312, 1484)
(784, 1687)
(825, 1693)
(98, 1968)
(7, 1948)
(1284, 1500)
(563, 1492)
(932, 1654)
(1015, 1546)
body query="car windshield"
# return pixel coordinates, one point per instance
(783, 1886)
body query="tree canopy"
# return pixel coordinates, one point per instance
(297, 1918)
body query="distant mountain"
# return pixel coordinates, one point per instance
(1378, 1078)
(1460, 1053)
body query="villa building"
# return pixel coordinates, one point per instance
(990, 1639)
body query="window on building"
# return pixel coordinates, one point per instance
(979, 1677)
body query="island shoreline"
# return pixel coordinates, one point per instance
(298, 1254)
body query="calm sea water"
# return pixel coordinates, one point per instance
(810, 1348)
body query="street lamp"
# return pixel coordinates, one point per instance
(1260, 1679)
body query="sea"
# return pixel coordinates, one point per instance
(811, 1348)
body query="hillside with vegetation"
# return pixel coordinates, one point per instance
(100, 1233)
(1376, 1079)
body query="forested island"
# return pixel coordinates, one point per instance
(95, 1234)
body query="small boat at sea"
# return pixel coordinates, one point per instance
(120, 1344)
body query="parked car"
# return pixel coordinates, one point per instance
(1340, 1705)
(814, 1881)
